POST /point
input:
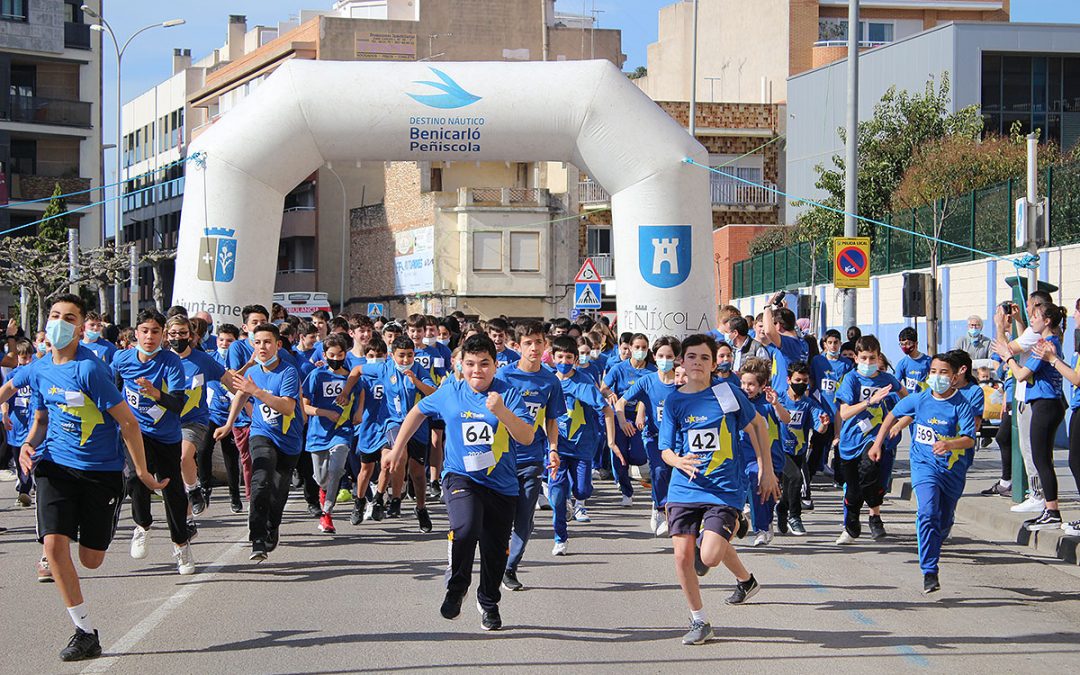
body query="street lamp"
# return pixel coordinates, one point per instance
(345, 228)
(104, 27)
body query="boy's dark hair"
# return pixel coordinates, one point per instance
(73, 299)
(306, 328)
(339, 323)
(785, 317)
(416, 321)
(739, 325)
(700, 339)
(561, 322)
(499, 325)
(336, 340)
(150, 314)
(267, 328)
(92, 316)
(959, 358)
(24, 347)
(403, 342)
(867, 343)
(527, 328)
(248, 310)
(321, 314)
(854, 333)
(832, 332)
(626, 338)
(908, 333)
(563, 343)
(452, 324)
(228, 329)
(586, 322)
(360, 321)
(376, 345)
(480, 344)
(176, 310)
(798, 368)
(668, 341)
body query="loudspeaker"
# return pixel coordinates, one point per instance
(804, 307)
(914, 296)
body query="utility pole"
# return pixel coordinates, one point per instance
(544, 37)
(693, 75)
(851, 164)
(1033, 200)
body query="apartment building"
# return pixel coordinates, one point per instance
(50, 114)
(746, 51)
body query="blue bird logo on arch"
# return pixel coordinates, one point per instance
(217, 255)
(453, 96)
(664, 254)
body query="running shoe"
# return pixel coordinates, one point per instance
(699, 633)
(662, 529)
(510, 581)
(236, 506)
(258, 551)
(44, 574)
(700, 568)
(997, 489)
(140, 542)
(423, 519)
(451, 605)
(930, 583)
(781, 523)
(24, 499)
(358, 508)
(807, 504)
(744, 590)
(192, 528)
(627, 500)
(796, 527)
(877, 528)
(197, 500)
(378, 510)
(272, 539)
(436, 489)
(1072, 529)
(654, 519)
(1049, 520)
(326, 524)
(342, 496)
(845, 538)
(82, 646)
(1032, 504)
(394, 509)
(185, 561)
(764, 538)
(581, 514)
(559, 548)
(314, 511)
(489, 618)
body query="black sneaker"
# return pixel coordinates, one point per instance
(424, 519)
(197, 501)
(808, 505)
(206, 497)
(510, 581)
(314, 511)
(81, 646)
(258, 551)
(743, 526)
(394, 509)
(877, 528)
(930, 583)
(699, 565)
(744, 590)
(192, 529)
(781, 523)
(236, 506)
(489, 618)
(357, 515)
(451, 606)
(272, 536)
(796, 526)
(1049, 520)
(435, 490)
(997, 489)
(378, 510)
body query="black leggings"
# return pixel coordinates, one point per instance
(1004, 441)
(1046, 416)
(204, 460)
(1074, 446)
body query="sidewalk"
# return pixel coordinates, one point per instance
(993, 514)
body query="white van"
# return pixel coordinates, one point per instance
(303, 304)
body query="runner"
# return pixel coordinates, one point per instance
(238, 360)
(92, 339)
(618, 380)
(219, 400)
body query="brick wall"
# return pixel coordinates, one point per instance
(802, 34)
(730, 245)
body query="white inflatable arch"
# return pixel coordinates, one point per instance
(585, 112)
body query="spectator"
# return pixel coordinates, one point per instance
(743, 345)
(974, 343)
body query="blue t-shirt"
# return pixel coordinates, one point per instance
(200, 370)
(506, 357)
(433, 361)
(1074, 401)
(707, 424)
(591, 369)
(936, 419)
(652, 393)
(400, 395)
(775, 434)
(825, 378)
(912, 372)
(77, 395)
(284, 431)
(579, 426)
(218, 398)
(239, 355)
(165, 372)
(790, 350)
(103, 348)
(624, 375)
(321, 388)
(477, 443)
(805, 417)
(21, 408)
(352, 360)
(1045, 381)
(973, 394)
(543, 399)
(858, 431)
(209, 343)
(371, 432)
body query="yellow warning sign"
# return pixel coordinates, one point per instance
(851, 262)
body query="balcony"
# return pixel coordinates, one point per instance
(299, 221)
(503, 197)
(590, 194)
(605, 265)
(27, 186)
(40, 110)
(77, 35)
(733, 195)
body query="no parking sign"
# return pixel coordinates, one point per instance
(851, 262)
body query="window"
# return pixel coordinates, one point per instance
(23, 80)
(524, 251)
(487, 251)
(879, 32)
(23, 156)
(836, 30)
(13, 10)
(598, 241)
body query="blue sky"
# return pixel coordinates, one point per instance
(148, 59)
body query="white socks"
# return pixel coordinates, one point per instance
(698, 615)
(80, 616)
(193, 486)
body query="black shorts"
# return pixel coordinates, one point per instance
(370, 457)
(419, 451)
(437, 425)
(692, 518)
(81, 505)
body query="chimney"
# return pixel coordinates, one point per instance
(234, 45)
(181, 59)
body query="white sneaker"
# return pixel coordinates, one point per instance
(368, 510)
(627, 501)
(662, 528)
(1072, 529)
(140, 543)
(185, 561)
(845, 539)
(764, 538)
(7, 476)
(746, 509)
(581, 514)
(654, 519)
(559, 549)
(1032, 504)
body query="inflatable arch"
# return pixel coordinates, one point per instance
(585, 112)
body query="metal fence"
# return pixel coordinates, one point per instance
(980, 220)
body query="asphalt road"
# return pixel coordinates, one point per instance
(367, 600)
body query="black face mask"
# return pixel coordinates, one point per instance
(179, 345)
(335, 364)
(798, 389)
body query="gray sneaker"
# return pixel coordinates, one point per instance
(699, 633)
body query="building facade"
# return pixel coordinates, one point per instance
(50, 115)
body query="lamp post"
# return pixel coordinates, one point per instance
(346, 225)
(104, 27)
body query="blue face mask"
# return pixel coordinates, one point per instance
(92, 335)
(377, 359)
(665, 365)
(402, 368)
(640, 355)
(223, 351)
(457, 367)
(583, 360)
(833, 354)
(939, 384)
(724, 366)
(267, 363)
(147, 353)
(41, 347)
(59, 332)
(974, 332)
(867, 369)
(444, 343)
(564, 368)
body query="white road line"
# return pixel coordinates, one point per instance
(155, 618)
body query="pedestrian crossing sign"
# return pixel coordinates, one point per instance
(587, 295)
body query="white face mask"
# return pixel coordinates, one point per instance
(428, 341)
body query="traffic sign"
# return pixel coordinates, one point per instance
(588, 274)
(575, 314)
(851, 262)
(587, 296)
(375, 309)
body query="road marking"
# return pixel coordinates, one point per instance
(913, 657)
(786, 564)
(155, 618)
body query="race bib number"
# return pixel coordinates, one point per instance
(477, 433)
(925, 434)
(268, 413)
(440, 363)
(197, 380)
(828, 386)
(660, 413)
(911, 384)
(377, 392)
(866, 392)
(480, 461)
(131, 396)
(796, 418)
(703, 440)
(533, 408)
(332, 388)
